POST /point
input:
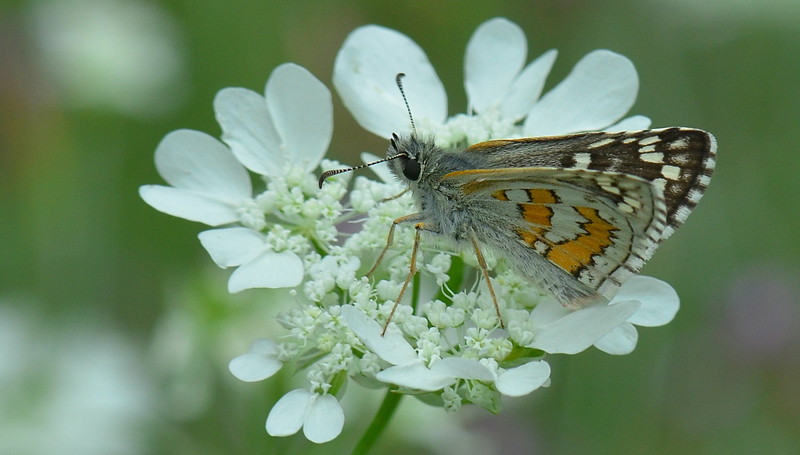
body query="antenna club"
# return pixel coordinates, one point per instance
(327, 174)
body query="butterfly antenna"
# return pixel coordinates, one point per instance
(399, 81)
(333, 172)
(393, 140)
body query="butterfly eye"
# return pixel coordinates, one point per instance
(411, 169)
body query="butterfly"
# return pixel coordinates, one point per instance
(577, 214)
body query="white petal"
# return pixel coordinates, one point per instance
(599, 91)
(189, 205)
(302, 111)
(264, 347)
(495, 55)
(524, 379)
(287, 416)
(248, 130)
(391, 347)
(364, 75)
(325, 419)
(632, 123)
(268, 270)
(548, 311)
(192, 160)
(659, 300)
(459, 367)
(527, 88)
(580, 329)
(259, 363)
(620, 340)
(233, 246)
(415, 376)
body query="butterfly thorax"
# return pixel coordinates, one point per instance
(442, 206)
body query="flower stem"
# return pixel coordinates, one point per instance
(379, 423)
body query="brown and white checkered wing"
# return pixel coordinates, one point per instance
(679, 161)
(598, 227)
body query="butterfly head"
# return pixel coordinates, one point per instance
(405, 157)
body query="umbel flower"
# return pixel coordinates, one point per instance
(445, 343)
(282, 137)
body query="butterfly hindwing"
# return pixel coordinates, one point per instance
(598, 227)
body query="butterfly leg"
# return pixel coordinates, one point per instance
(413, 271)
(414, 217)
(485, 271)
(396, 196)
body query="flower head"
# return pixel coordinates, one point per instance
(444, 341)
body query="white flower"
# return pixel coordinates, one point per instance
(597, 93)
(411, 370)
(500, 88)
(258, 265)
(494, 77)
(659, 304)
(364, 75)
(320, 416)
(315, 410)
(642, 300)
(291, 125)
(560, 330)
(282, 136)
(512, 382)
(259, 363)
(207, 182)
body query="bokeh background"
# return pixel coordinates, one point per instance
(116, 329)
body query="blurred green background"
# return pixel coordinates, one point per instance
(115, 327)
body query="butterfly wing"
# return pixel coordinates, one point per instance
(679, 161)
(597, 227)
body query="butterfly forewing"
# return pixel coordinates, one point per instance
(679, 161)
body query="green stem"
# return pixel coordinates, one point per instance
(379, 423)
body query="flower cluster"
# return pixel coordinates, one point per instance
(444, 343)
